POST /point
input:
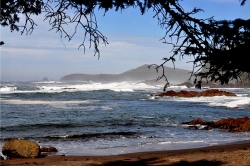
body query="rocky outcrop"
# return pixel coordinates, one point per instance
(206, 93)
(21, 149)
(48, 149)
(195, 122)
(230, 124)
(240, 124)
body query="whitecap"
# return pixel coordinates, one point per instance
(106, 108)
(122, 90)
(234, 102)
(162, 143)
(152, 98)
(8, 89)
(217, 101)
(177, 87)
(85, 86)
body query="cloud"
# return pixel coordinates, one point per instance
(25, 52)
(35, 59)
(44, 53)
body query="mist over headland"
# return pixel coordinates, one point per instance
(140, 74)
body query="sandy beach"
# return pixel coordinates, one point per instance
(236, 154)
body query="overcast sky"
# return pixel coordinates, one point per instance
(134, 40)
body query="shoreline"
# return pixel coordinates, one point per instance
(236, 153)
(152, 149)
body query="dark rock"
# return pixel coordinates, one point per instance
(195, 122)
(216, 92)
(198, 85)
(230, 124)
(206, 93)
(207, 128)
(211, 123)
(48, 149)
(240, 124)
(193, 127)
(21, 149)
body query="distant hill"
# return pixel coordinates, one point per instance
(89, 77)
(140, 74)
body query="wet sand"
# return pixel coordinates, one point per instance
(236, 154)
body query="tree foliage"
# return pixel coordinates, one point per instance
(223, 44)
(245, 77)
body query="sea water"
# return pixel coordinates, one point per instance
(91, 118)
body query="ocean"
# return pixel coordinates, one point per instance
(91, 118)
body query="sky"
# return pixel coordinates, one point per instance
(134, 40)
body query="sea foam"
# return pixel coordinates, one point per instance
(58, 104)
(80, 86)
(8, 89)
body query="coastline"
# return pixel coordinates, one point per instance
(236, 153)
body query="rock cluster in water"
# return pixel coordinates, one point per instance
(24, 149)
(206, 93)
(230, 124)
